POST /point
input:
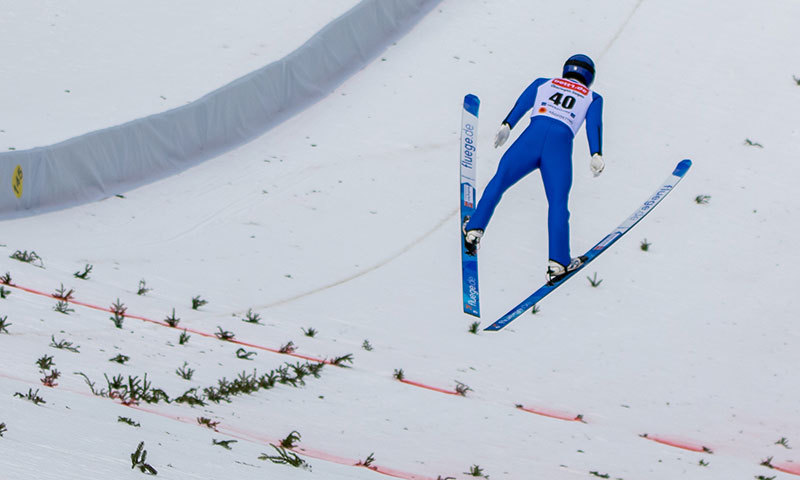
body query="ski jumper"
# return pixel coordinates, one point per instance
(560, 107)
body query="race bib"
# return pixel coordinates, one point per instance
(563, 100)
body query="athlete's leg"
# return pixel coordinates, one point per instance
(521, 158)
(556, 168)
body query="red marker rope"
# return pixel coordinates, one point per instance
(546, 412)
(786, 467)
(164, 324)
(677, 443)
(428, 387)
(243, 434)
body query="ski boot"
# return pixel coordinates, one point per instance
(472, 238)
(556, 271)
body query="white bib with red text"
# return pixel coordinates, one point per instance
(563, 100)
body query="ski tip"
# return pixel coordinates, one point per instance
(682, 168)
(471, 104)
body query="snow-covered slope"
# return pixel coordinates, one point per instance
(71, 67)
(343, 220)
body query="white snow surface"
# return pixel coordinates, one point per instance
(73, 66)
(343, 219)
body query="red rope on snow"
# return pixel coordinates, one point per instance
(677, 443)
(428, 387)
(786, 467)
(546, 412)
(163, 324)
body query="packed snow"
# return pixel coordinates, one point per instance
(72, 66)
(342, 222)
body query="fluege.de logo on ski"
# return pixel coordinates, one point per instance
(473, 294)
(656, 198)
(634, 219)
(468, 150)
(468, 163)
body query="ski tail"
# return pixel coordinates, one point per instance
(637, 216)
(468, 164)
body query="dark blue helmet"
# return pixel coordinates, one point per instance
(581, 68)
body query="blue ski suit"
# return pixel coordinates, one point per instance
(547, 145)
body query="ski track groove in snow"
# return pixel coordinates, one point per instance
(360, 273)
(620, 30)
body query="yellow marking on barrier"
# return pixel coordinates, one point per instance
(16, 181)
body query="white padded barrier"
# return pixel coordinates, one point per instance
(110, 161)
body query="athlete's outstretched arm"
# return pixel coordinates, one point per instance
(594, 125)
(524, 102)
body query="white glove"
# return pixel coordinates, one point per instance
(502, 135)
(597, 164)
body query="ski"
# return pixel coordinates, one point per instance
(602, 246)
(467, 159)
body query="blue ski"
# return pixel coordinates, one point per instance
(467, 159)
(616, 234)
